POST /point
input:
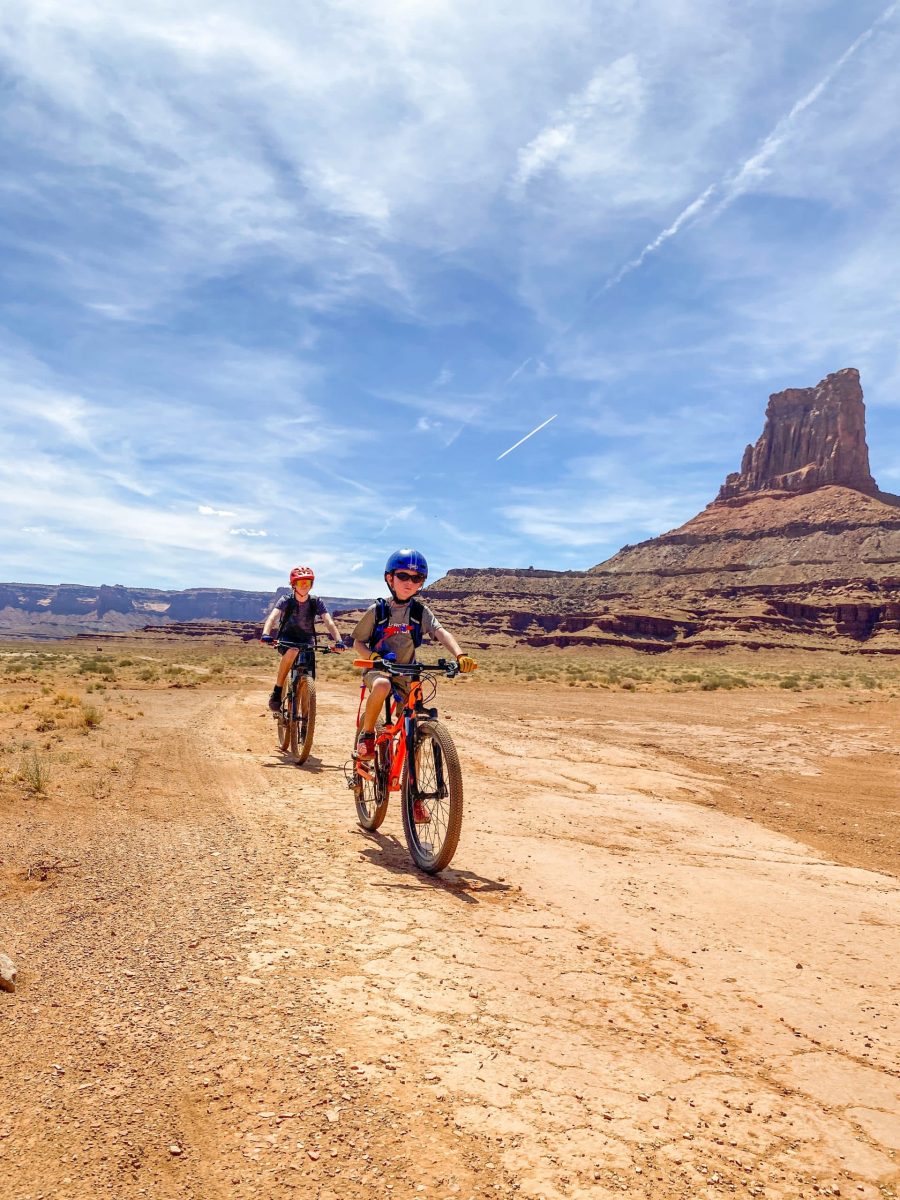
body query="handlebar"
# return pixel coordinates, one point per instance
(448, 667)
(289, 645)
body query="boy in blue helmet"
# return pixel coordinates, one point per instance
(396, 627)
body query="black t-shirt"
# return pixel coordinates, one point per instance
(300, 625)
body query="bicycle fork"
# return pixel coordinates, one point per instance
(440, 792)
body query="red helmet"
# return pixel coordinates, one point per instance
(302, 573)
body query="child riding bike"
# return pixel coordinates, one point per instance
(396, 627)
(295, 617)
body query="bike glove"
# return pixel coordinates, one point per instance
(267, 638)
(466, 664)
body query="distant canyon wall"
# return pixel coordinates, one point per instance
(63, 609)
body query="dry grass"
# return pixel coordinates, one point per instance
(54, 695)
(686, 671)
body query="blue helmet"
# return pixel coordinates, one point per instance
(407, 560)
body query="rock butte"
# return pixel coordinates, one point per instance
(799, 549)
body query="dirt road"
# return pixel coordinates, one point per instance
(623, 987)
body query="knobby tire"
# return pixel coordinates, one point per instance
(304, 727)
(371, 795)
(432, 846)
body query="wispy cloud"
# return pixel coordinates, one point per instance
(324, 260)
(754, 169)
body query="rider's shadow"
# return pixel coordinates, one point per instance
(392, 856)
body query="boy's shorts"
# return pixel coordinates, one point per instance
(370, 678)
(284, 649)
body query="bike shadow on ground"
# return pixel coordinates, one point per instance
(392, 856)
(313, 765)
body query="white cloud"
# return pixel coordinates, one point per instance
(604, 114)
(250, 533)
(214, 512)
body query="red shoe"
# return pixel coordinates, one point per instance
(365, 746)
(421, 815)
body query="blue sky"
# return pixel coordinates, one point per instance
(282, 280)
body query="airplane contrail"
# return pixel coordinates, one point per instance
(733, 183)
(527, 436)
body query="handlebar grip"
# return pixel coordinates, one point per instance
(367, 663)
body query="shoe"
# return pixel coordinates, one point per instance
(365, 746)
(421, 815)
(275, 700)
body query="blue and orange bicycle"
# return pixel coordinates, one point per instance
(415, 756)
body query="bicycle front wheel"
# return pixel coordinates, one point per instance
(370, 791)
(436, 799)
(305, 725)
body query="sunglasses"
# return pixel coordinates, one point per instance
(408, 578)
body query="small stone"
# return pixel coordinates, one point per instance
(175, 1150)
(8, 974)
(643, 1096)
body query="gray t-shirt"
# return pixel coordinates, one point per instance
(397, 636)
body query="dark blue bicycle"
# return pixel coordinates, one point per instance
(297, 716)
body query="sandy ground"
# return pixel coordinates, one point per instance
(663, 964)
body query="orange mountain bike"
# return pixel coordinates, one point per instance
(415, 756)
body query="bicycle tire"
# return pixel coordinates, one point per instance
(371, 795)
(284, 723)
(440, 788)
(305, 724)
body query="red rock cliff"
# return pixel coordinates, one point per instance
(812, 437)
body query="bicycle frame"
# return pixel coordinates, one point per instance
(407, 710)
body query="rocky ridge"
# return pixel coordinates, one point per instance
(800, 548)
(63, 610)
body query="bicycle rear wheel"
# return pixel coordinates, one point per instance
(305, 725)
(370, 791)
(438, 794)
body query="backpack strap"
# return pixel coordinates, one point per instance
(382, 616)
(416, 613)
(289, 610)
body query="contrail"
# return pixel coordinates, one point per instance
(733, 182)
(684, 216)
(527, 436)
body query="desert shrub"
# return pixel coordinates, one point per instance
(149, 675)
(91, 716)
(34, 771)
(126, 662)
(628, 685)
(96, 666)
(790, 682)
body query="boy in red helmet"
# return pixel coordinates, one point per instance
(396, 627)
(295, 616)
